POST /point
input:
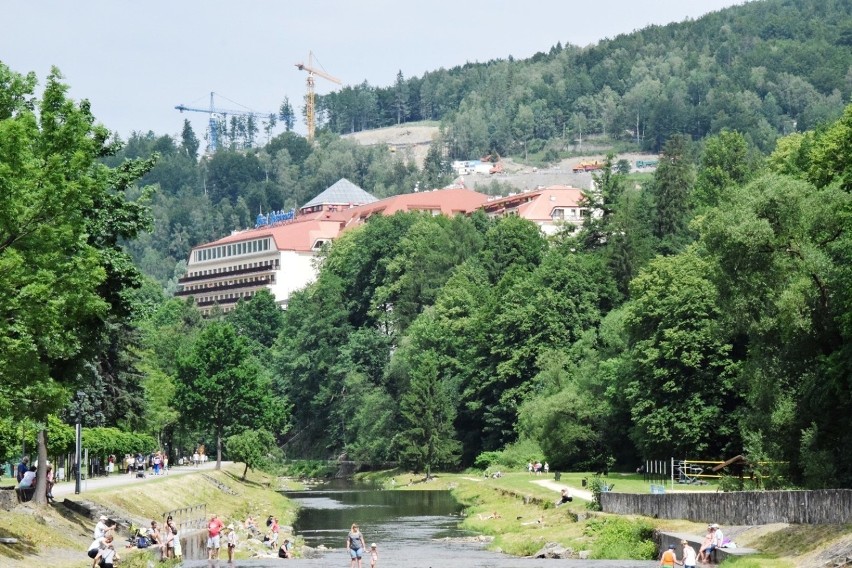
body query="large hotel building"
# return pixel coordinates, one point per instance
(278, 253)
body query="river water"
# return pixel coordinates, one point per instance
(412, 529)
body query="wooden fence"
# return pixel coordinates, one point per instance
(826, 506)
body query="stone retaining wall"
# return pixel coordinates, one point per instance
(825, 506)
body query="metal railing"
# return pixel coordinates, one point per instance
(188, 518)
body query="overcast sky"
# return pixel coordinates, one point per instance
(136, 60)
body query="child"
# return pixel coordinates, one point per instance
(232, 542)
(374, 555)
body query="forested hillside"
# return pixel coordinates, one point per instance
(765, 68)
(704, 316)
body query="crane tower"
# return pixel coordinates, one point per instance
(216, 113)
(310, 111)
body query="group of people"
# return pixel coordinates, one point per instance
(138, 464)
(669, 556)
(215, 528)
(713, 540)
(26, 474)
(217, 532)
(355, 544)
(102, 551)
(536, 468)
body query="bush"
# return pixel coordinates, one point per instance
(621, 539)
(486, 459)
(515, 456)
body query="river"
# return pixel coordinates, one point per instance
(412, 529)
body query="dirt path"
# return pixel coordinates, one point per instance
(558, 487)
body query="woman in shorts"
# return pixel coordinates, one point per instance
(355, 545)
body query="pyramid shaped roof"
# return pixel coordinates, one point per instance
(343, 192)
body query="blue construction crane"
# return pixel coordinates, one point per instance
(220, 113)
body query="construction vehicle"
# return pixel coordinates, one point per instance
(219, 114)
(587, 166)
(310, 110)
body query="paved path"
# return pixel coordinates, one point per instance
(66, 488)
(558, 487)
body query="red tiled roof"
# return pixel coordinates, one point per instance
(538, 204)
(447, 201)
(300, 234)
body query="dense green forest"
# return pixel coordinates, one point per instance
(764, 68)
(705, 313)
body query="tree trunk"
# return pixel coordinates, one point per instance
(218, 449)
(40, 495)
(245, 472)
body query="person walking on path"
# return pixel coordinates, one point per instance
(355, 545)
(669, 558)
(214, 527)
(689, 560)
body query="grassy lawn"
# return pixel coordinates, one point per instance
(629, 482)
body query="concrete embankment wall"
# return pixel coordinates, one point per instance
(826, 506)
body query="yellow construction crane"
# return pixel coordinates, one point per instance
(310, 110)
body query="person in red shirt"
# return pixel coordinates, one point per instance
(214, 527)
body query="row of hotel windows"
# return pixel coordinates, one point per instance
(223, 251)
(218, 297)
(245, 281)
(212, 271)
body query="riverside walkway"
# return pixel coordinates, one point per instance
(66, 488)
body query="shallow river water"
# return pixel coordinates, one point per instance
(413, 529)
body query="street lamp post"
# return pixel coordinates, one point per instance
(77, 456)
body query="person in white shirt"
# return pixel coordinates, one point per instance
(106, 556)
(102, 528)
(29, 479)
(689, 559)
(720, 538)
(232, 542)
(96, 547)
